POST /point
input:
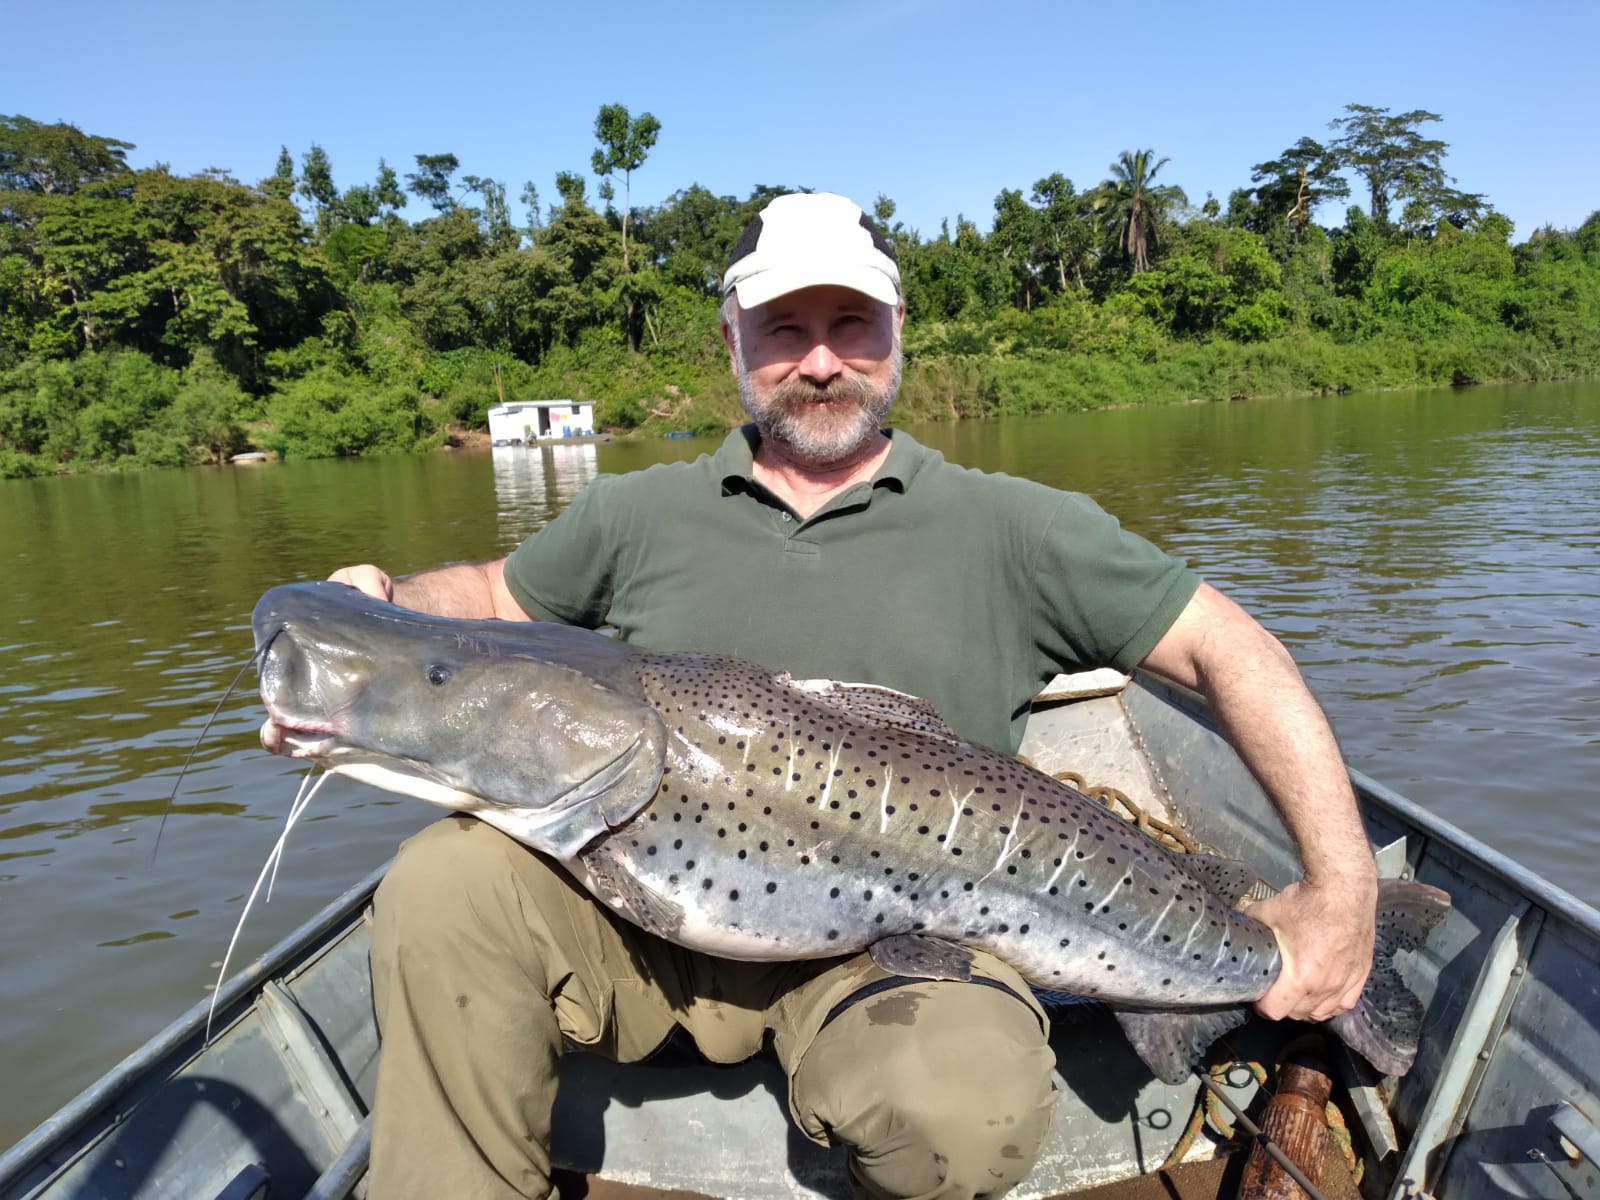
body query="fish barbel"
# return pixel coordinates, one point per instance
(739, 812)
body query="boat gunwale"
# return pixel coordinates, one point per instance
(74, 1116)
(1553, 899)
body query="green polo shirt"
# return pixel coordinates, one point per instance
(966, 588)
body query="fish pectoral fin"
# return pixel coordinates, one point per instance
(918, 956)
(611, 881)
(1172, 1042)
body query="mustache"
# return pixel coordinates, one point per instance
(795, 393)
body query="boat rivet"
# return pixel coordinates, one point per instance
(1515, 971)
(1483, 1056)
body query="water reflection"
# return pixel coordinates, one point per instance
(533, 483)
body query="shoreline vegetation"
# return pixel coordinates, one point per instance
(153, 320)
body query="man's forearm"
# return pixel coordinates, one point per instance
(1279, 731)
(1324, 924)
(1275, 724)
(472, 590)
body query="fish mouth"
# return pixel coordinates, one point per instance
(297, 739)
(279, 659)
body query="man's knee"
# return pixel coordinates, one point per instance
(461, 887)
(941, 1089)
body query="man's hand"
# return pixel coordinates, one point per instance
(1325, 934)
(374, 581)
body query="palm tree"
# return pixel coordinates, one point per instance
(1137, 207)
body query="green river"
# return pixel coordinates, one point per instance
(1431, 559)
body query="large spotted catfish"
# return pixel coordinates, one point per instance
(748, 815)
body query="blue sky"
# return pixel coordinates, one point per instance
(938, 104)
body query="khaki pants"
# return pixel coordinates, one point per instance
(486, 955)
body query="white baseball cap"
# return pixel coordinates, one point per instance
(808, 239)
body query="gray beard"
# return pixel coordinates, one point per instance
(790, 415)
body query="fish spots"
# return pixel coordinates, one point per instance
(958, 829)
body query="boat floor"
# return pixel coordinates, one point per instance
(1210, 1180)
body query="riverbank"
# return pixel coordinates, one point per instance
(959, 387)
(643, 397)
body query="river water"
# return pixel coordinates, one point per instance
(1431, 559)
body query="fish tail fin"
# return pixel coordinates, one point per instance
(1386, 1023)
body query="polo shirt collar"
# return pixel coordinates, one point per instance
(734, 462)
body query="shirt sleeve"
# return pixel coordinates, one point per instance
(565, 572)
(1104, 595)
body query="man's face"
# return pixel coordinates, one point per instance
(817, 370)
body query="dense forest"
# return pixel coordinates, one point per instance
(152, 319)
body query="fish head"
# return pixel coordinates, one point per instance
(536, 727)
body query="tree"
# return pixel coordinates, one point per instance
(316, 185)
(55, 159)
(1136, 206)
(1356, 248)
(1216, 280)
(431, 180)
(1399, 164)
(176, 265)
(690, 236)
(571, 188)
(530, 201)
(387, 188)
(280, 184)
(624, 143)
(1066, 231)
(1013, 236)
(1289, 187)
(496, 214)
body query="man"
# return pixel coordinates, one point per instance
(816, 541)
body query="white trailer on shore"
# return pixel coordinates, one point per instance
(526, 422)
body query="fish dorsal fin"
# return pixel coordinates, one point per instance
(1227, 877)
(880, 705)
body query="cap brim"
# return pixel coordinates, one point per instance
(763, 287)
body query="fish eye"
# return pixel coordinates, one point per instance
(438, 674)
